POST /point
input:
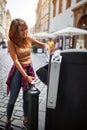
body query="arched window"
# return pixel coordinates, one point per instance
(83, 22)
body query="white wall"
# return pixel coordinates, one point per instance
(61, 21)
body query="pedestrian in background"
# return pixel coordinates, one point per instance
(22, 72)
(50, 43)
(56, 45)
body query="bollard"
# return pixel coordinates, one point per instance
(33, 103)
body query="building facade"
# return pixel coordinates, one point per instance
(42, 16)
(69, 13)
(80, 19)
(2, 19)
(8, 21)
(64, 13)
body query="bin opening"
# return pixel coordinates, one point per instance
(42, 73)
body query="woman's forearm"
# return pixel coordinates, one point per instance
(24, 74)
(37, 42)
(20, 68)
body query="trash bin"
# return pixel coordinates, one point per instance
(33, 105)
(42, 73)
(69, 111)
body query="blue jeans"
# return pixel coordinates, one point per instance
(14, 92)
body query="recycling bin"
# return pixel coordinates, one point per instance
(66, 106)
(33, 105)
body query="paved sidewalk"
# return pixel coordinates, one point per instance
(17, 118)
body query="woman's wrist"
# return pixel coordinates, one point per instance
(44, 45)
(26, 77)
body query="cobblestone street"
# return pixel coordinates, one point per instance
(17, 118)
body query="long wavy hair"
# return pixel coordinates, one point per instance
(14, 33)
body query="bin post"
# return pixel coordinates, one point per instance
(33, 103)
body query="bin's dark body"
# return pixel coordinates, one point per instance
(33, 104)
(43, 73)
(71, 107)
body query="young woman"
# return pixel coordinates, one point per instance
(22, 72)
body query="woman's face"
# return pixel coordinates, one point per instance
(23, 31)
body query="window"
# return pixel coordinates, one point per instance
(83, 22)
(78, 0)
(60, 6)
(54, 8)
(68, 3)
